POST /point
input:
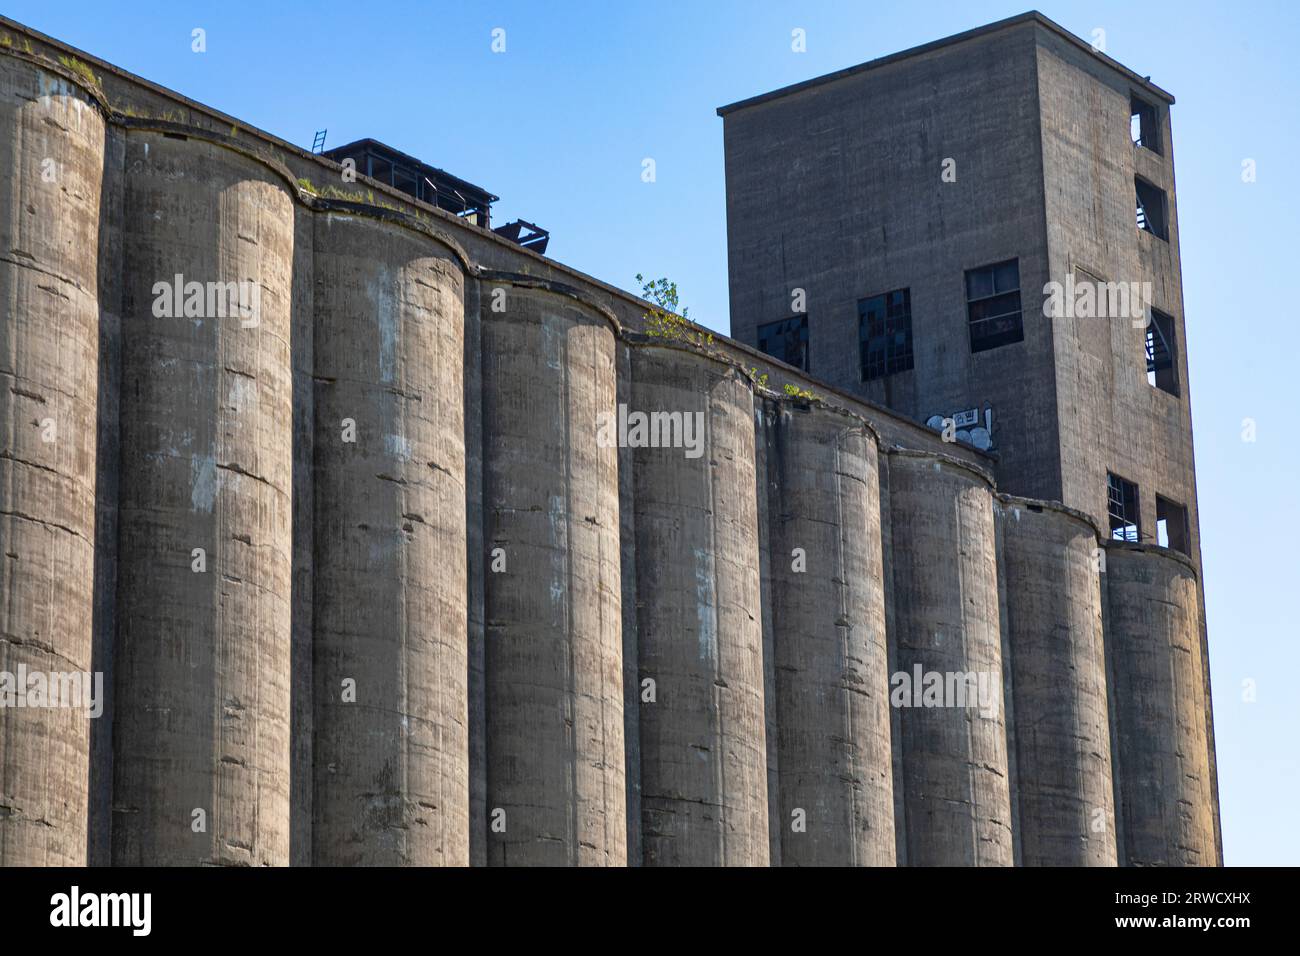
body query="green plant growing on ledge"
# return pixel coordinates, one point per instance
(794, 391)
(81, 69)
(666, 321)
(333, 192)
(169, 116)
(759, 380)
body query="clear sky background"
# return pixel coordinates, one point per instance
(559, 124)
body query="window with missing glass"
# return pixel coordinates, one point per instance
(1162, 355)
(1144, 123)
(1152, 214)
(993, 305)
(786, 340)
(1122, 503)
(885, 334)
(1171, 525)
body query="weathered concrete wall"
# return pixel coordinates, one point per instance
(954, 759)
(828, 605)
(203, 652)
(1058, 665)
(392, 763)
(52, 151)
(1161, 765)
(553, 605)
(703, 747)
(1139, 431)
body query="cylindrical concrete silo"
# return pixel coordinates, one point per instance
(832, 670)
(1061, 727)
(954, 746)
(389, 616)
(201, 732)
(553, 608)
(1158, 695)
(52, 153)
(703, 760)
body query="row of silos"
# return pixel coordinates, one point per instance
(249, 466)
(395, 580)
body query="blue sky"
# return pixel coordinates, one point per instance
(559, 124)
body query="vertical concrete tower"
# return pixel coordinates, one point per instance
(202, 665)
(956, 797)
(390, 721)
(1053, 621)
(52, 145)
(836, 798)
(703, 742)
(554, 641)
(991, 220)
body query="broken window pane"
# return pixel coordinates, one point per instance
(885, 334)
(786, 340)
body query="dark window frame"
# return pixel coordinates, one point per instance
(800, 333)
(885, 336)
(1123, 508)
(995, 317)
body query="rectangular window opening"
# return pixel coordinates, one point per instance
(786, 340)
(405, 180)
(1171, 525)
(885, 334)
(1151, 209)
(1144, 124)
(1122, 504)
(381, 169)
(1162, 355)
(993, 305)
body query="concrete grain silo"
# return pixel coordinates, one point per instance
(201, 735)
(954, 758)
(832, 671)
(389, 617)
(1050, 557)
(52, 152)
(703, 747)
(553, 604)
(1162, 769)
